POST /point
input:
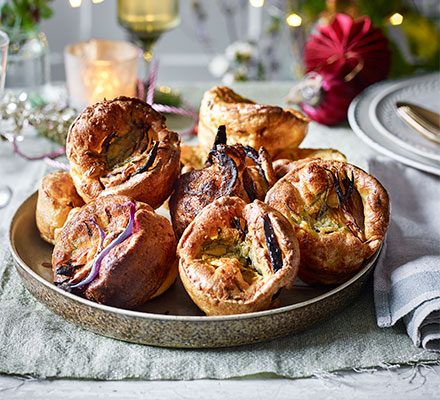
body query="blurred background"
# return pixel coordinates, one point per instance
(327, 51)
(214, 33)
(183, 56)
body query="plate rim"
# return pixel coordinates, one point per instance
(163, 317)
(358, 130)
(372, 112)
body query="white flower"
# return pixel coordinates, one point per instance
(241, 73)
(218, 66)
(228, 78)
(240, 50)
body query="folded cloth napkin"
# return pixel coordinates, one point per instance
(407, 276)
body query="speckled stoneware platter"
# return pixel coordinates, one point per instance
(172, 320)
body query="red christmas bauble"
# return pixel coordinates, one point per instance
(349, 55)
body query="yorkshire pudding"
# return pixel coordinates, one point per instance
(229, 171)
(192, 157)
(123, 147)
(283, 160)
(340, 215)
(57, 197)
(248, 123)
(235, 257)
(115, 251)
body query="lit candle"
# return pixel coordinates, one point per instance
(255, 19)
(99, 69)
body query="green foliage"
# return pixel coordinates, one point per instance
(274, 24)
(308, 8)
(23, 15)
(423, 39)
(167, 97)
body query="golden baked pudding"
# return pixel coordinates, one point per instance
(57, 197)
(340, 215)
(295, 154)
(229, 171)
(115, 251)
(235, 257)
(123, 147)
(282, 163)
(248, 123)
(192, 157)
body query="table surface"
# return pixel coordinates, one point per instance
(412, 382)
(421, 382)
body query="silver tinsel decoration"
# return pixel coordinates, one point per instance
(20, 109)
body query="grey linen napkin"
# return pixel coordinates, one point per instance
(407, 276)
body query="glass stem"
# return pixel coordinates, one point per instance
(148, 55)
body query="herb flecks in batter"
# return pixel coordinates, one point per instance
(222, 252)
(118, 150)
(128, 155)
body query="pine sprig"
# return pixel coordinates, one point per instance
(24, 15)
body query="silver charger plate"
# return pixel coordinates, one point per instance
(422, 91)
(172, 320)
(360, 121)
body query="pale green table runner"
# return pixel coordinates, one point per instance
(33, 341)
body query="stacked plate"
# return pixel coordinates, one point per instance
(373, 117)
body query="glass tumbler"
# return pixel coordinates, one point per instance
(100, 69)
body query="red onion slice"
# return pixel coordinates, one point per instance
(99, 256)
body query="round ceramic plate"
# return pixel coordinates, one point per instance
(423, 91)
(360, 122)
(171, 320)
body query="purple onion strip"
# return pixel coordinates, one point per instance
(100, 254)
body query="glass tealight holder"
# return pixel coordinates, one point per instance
(100, 69)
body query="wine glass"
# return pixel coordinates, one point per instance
(4, 44)
(146, 20)
(5, 190)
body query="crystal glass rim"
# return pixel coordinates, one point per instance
(69, 51)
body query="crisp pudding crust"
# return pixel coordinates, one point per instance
(249, 123)
(123, 147)
(229, 171)
(192, 157)
(284, 160)
(57, 197)
(340, 215)
(235, 257)
(134, 270)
